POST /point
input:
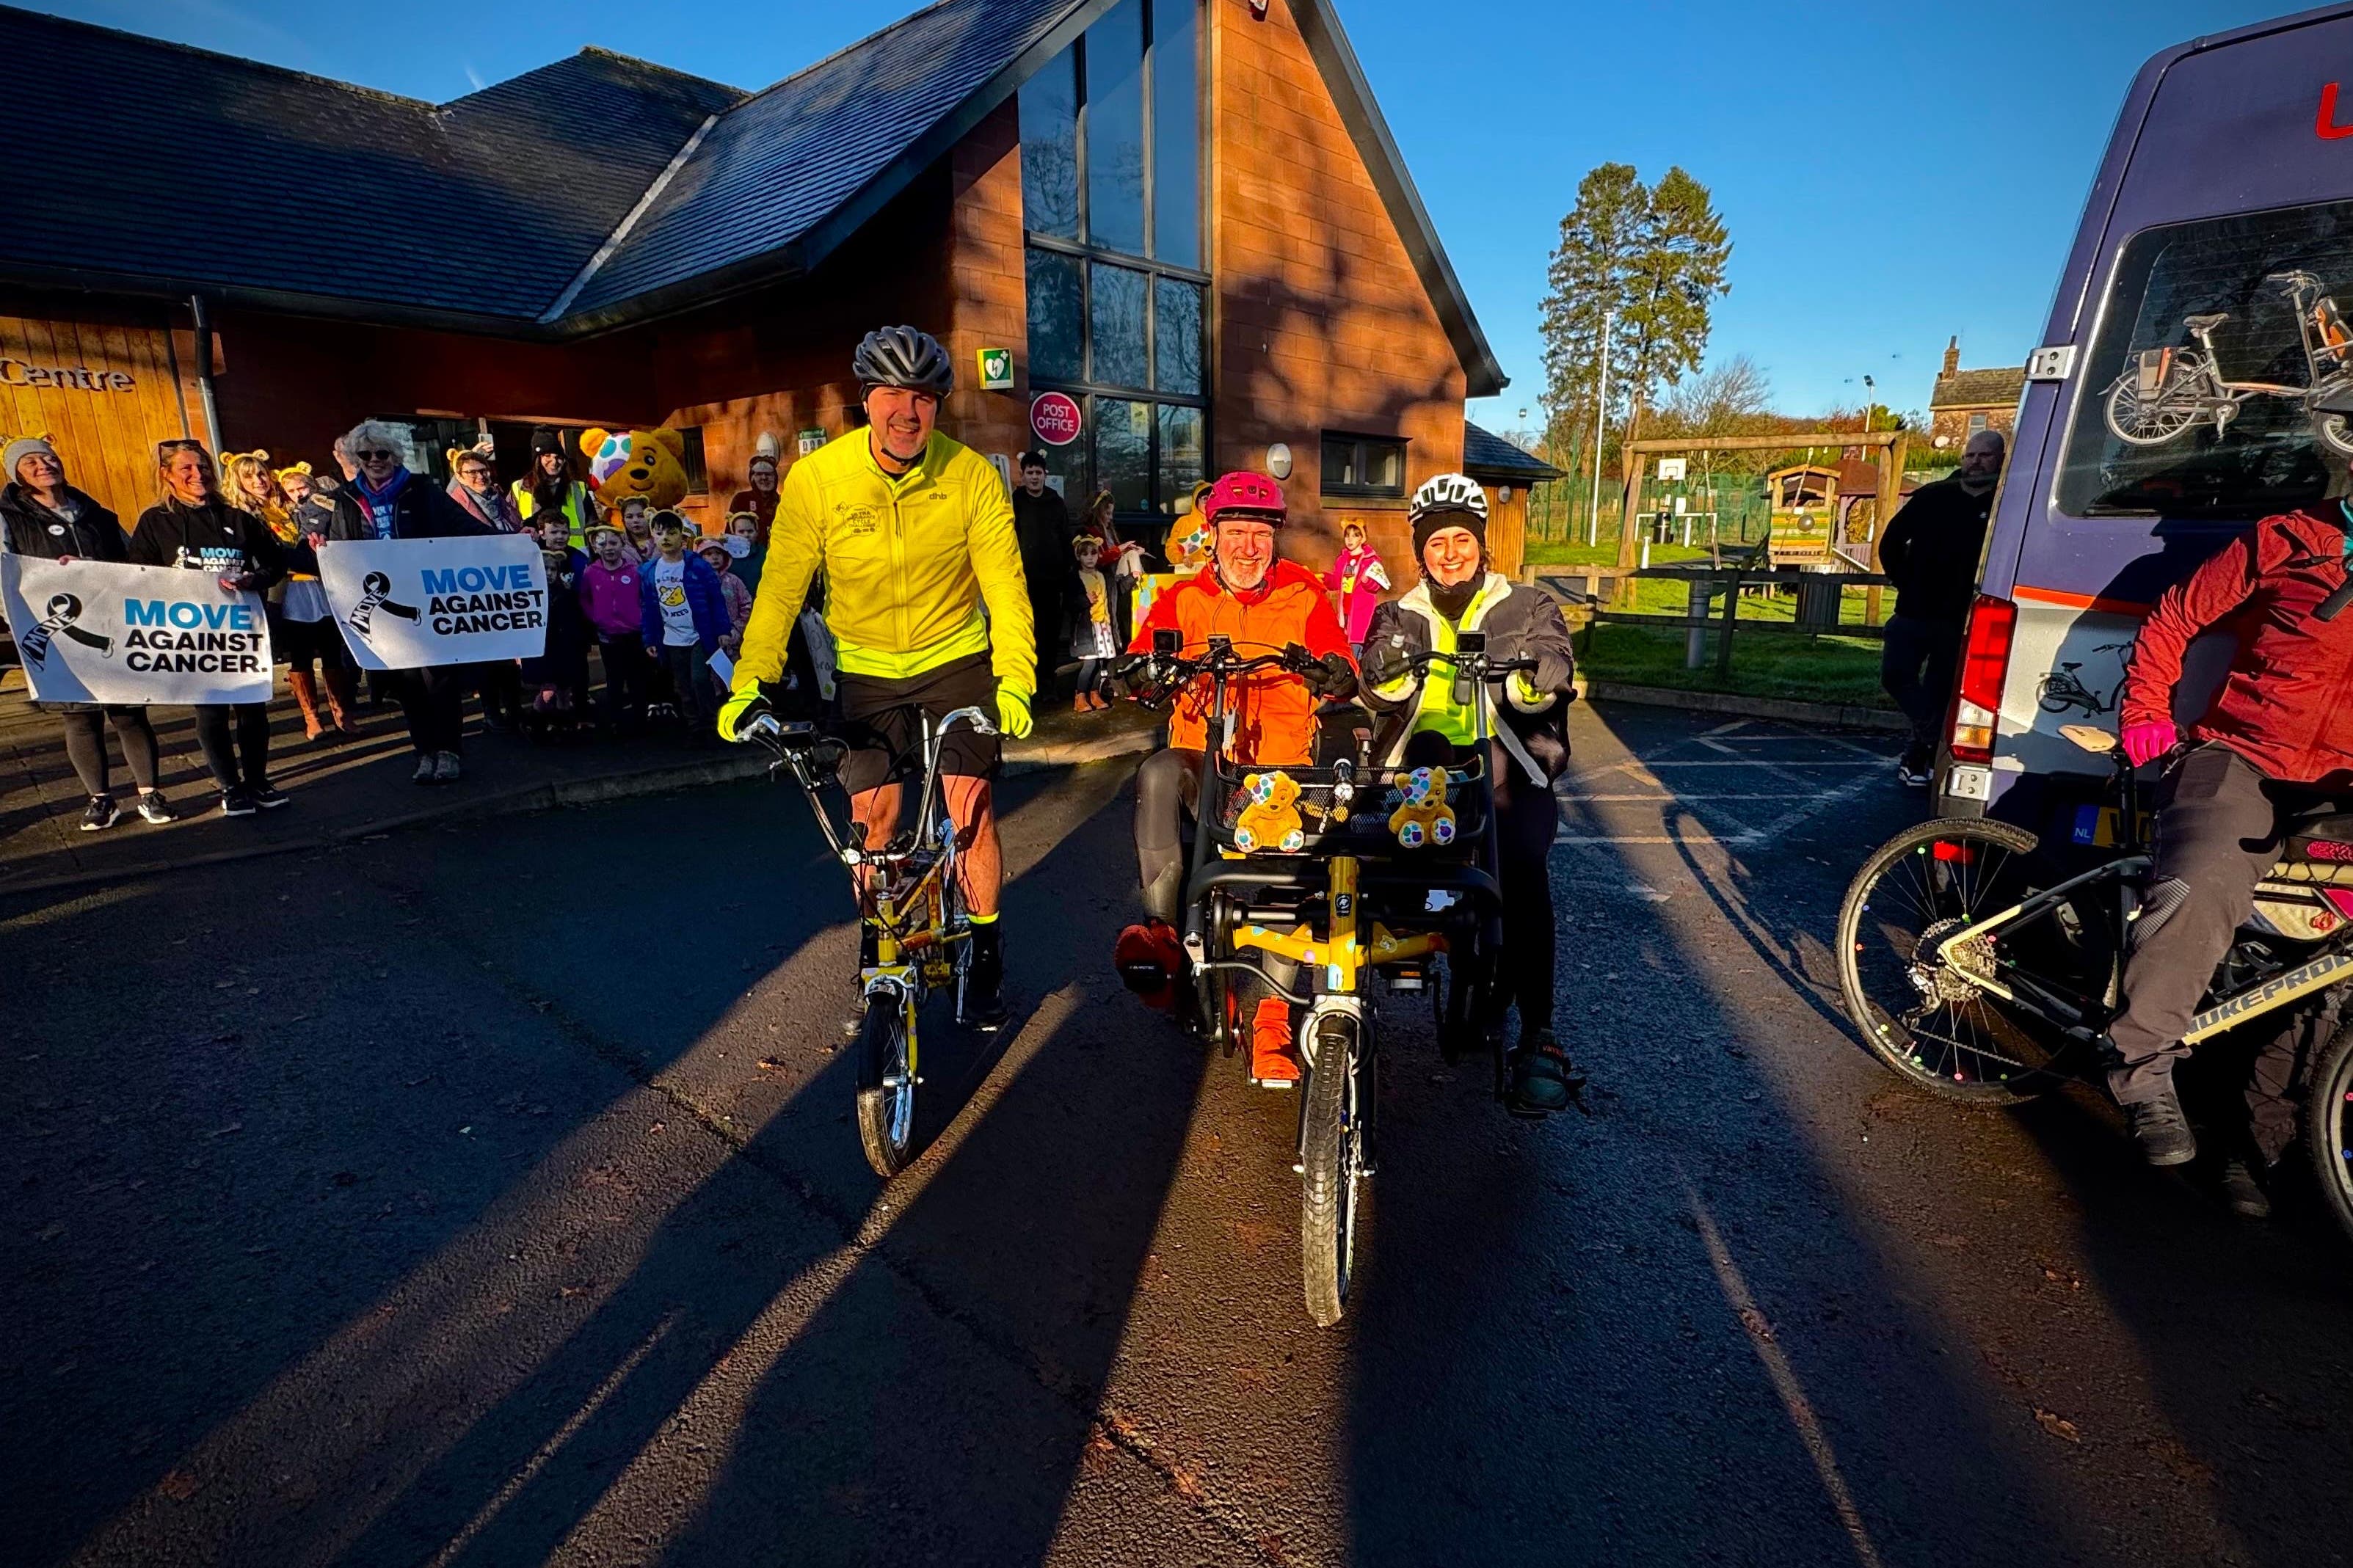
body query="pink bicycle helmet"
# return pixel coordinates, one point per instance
(1243, 491)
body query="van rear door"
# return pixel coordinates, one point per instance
(2200, 303)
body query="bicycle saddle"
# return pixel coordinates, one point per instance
(2206, 323)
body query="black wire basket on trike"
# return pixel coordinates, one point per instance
(1307, 882)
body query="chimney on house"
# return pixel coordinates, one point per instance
(1953, 355)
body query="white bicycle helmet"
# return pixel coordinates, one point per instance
(1448, 492)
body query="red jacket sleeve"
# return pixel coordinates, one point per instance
(2218, 586)
(1324, 634)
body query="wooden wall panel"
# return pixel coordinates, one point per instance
(107, 436)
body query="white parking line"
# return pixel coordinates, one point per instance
(1811, 796)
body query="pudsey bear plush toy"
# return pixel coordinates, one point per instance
(1423, 816)
(1270, 821)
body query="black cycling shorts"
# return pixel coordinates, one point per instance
(879, 723)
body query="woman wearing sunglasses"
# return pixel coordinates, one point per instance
(386, 500)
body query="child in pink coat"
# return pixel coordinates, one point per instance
(1359, 578)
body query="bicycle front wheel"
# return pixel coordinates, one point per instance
(886, 1082)
(1923, 1015)
(1333, 1159)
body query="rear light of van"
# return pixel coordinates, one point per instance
(1985, 664)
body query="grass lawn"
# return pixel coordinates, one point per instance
(1556, 554)
(1806, 670)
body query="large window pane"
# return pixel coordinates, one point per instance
(1116, 129)
(1183, 457)
(1175, 133)
(1123, 451)
(1057, 349)
(1049, 148)
(1117, 316)
(1177, 337)
(2191, 403)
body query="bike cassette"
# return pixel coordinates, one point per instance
(1960, 976)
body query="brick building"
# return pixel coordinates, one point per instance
(1965, 402)
(1186, 215)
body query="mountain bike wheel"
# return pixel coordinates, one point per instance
(2329, 1125)
(2152, 421)
(1923, 1016)
(1332, 1164)
(886, 1083)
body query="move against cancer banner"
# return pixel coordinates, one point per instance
(92, 631)
(406, 604)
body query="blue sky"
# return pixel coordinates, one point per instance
(1891, 175)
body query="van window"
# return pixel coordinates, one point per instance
(2193, 402)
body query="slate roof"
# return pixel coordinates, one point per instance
(594, 191)
(1978, 389)
(786, 161)
(1487, 456)
(147, 167)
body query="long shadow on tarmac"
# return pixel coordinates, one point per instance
(880, 1373)
(1657, 1333)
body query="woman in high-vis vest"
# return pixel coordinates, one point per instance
(550, 483)
(1423, 725)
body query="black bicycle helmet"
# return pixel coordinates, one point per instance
(903, 356)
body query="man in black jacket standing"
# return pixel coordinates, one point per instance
(194, 529)
(1041, 523)
(1930, 553)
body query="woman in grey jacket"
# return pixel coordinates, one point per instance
(1423, 725)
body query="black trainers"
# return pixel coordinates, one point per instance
(2244, 1191)
(2161, 1129)
(101, 815)
(154, 808)
(984, 980)
(1543, 1077)
(266, 795)
(236, 802)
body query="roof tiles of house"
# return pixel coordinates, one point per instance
(550, 162)
(616, 189)
(784, 162)
(1486, 454)
(1978, 389)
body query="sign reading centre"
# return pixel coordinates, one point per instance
(92, 631)
(407, 603)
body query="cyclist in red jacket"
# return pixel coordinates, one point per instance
(2276, 743)
(1264, 605)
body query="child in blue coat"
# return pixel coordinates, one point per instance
(682, 612)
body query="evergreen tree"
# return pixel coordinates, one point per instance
(1650, 261)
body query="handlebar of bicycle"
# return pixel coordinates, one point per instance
(1478, 661)
(788, 742)
(780, 737)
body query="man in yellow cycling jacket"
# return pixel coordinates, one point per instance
(914, 532)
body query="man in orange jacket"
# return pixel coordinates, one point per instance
(1261, 604)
